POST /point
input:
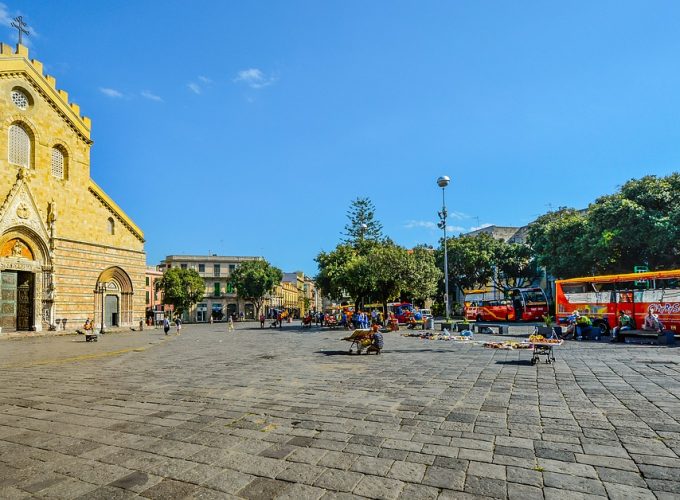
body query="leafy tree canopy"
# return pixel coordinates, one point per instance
(470, 260)
(558, 240)
(423, 275)
(255, 279)
(515, 265)
(181, 287)
(637, 226)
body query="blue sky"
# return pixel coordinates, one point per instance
(246, 128)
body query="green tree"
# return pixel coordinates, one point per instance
(334, 266)
(560, 243)
(362, 226)
(422, 274)
(386, 271)
(515, 265)
(637, 225)
(470, 259)
(181, 287)
(254, 280)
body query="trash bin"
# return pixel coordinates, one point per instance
(670, 337)
(429, 323)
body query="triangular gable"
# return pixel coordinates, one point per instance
(115, 210)
(20, 209)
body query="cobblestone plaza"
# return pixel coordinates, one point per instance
(288, 414)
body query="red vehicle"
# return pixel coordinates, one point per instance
(401, 310)
(522, 304)
(602, 297)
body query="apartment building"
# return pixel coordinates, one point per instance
(220, 299)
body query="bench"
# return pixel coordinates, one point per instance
(646, 337)
(493, 329)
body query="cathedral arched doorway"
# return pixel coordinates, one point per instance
(113, 298)
(26, 292)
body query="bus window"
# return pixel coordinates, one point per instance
(575, 288)
(668, 284)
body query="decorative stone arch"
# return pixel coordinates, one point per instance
(26, 122)
(22, 250)
(113, 282)
(37, 247)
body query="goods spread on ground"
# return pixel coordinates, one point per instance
(508, 344)
(445, 335)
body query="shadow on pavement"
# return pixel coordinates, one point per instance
(516, 362)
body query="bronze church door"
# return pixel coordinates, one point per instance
(16, 300)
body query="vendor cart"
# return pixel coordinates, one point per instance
(544, 349)
(360, 339)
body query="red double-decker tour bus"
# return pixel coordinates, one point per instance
(602, 297)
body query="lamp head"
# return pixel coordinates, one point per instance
(443, 181)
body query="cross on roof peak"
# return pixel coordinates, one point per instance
(21, 26)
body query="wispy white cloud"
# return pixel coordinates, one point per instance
(152, 97)
(481, 226)
(255, 78)
(200, 84)
(5, 19)
(109, 92)
(432, 226)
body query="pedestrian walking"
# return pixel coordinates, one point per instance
(166, 325)
(178, 324)
(231, 324)
(262, 320)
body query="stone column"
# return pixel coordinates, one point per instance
(37, 301)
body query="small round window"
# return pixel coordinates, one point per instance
(20, 99)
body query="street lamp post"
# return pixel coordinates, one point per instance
(442, 182)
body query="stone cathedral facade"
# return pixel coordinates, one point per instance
(67, 251)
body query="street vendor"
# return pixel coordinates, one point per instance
(376, 340)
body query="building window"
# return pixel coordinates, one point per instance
(147, 281)
(112, 226)
(183, 266)
(148, 296)
(20, 99)
(230, 288)
(232, 268)
(58, 163)
(217, 289)
(201, 268)
(19, 151)
(216, 269)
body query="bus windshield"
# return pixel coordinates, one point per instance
(535, 296)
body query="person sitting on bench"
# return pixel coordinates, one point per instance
(412, 323)
(583, 325)
(625, 323)
(652, 323)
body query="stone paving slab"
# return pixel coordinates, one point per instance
(288, 414)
